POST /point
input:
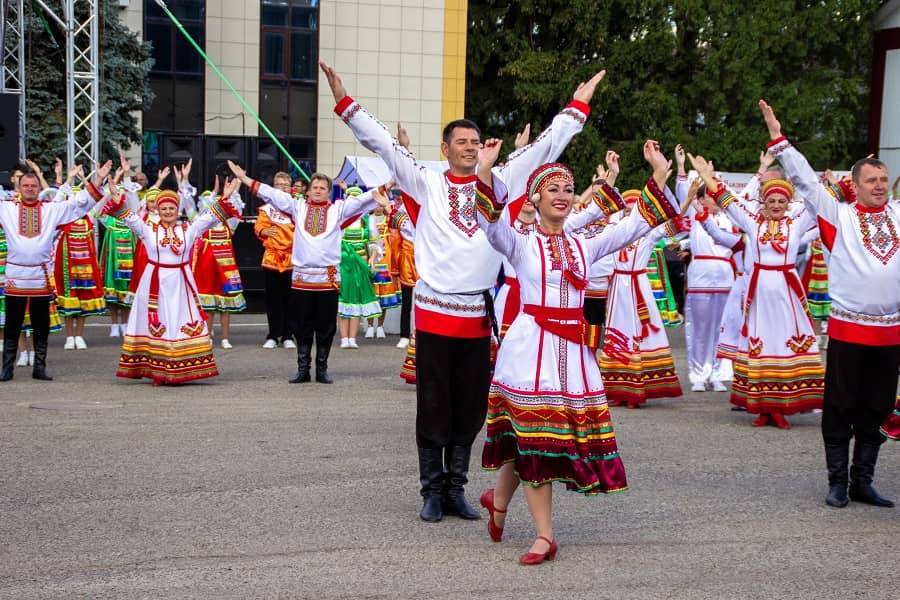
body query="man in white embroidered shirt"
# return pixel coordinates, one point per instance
(862, 235)
(457, 268)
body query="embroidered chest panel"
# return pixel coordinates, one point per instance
(461, 200)
(592, 230)
(879, 235)
(167, 237)
(562, 256)
(316, 219)
(774, 233)
(30, 220)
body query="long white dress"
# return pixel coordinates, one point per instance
(166, 338)
(636, 359)
(778, 368)
(547, 409)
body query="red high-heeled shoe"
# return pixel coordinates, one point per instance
(535, 558)
(761, 421)
(487, 501)
(779, 421)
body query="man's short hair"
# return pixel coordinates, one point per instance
(17, 166)
(320, 177)
(281, 175)
(459, 124)
(30, 174)
(858, 165)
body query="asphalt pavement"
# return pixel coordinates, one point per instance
(247, 487)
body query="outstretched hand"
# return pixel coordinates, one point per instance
(523, 137)
(585, 91)
(705, 169)
(334, 81)
(612, 165)
(679, 158)
(489, 152)
(403, 136)
(101, 172)
(238, 171)
(662, 167)
(772, 122)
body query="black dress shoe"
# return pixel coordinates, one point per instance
(431, 509)
(457, 505)
(867, 494)
(322, 376)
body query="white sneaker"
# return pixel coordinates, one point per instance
(351, 343)
(114, 331)
(718, 386)
(289, 343)
(698, 387)
(122, 328)
(80, 344)
(403, 343)
(226, 344)
(345, 342)
(270, 343)
(31, 357)
(379, 333)
(70, 343)
(23, 359)
(370, 332)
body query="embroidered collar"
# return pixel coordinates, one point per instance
(456, 179)
(870, 209)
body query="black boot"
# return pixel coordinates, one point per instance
(837, 458)
(865, 455)
(431, 477)
(304, 359)
(322, 364)
(40, 361)
(454, 494)
(9, 360)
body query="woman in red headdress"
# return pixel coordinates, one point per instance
(166, 338)
(547, 413)
(778, 370)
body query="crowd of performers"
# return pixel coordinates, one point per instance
(576, 325)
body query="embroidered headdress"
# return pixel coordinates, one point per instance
(779, 187)
(546, 174)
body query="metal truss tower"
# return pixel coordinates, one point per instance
(82, 82)
(12, 48)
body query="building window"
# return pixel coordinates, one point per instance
(177, 76)
(288, 76)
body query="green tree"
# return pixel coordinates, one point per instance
(688, 71)
(125, 61)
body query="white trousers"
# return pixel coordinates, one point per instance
(702, 315)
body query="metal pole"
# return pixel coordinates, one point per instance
(12, 70)
(231, 87)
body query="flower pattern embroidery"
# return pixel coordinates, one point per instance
(462, 211)
(170, 239)
(879, 235)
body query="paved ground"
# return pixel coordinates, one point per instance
(246, 487)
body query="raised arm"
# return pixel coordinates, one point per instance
(354, 206)
(219, 212)
(374, 136)
(81, 204)
(722, 237)
(718, 193)
(549, 145)
(798, 170)
(283, 201)
(491, 204)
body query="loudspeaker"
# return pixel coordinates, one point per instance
(9, 131)
(265, 160)
(177, 150)
(219, 150)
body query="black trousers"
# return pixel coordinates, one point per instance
(595, 311)
(453, 376)
(406, 294)
(677, 270)
(860, 390)
(315, 315)
(39, 309)
(278, 305)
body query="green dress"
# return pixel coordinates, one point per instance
(357, 297)
(116, 260)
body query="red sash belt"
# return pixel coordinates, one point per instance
(730, 261)
(153, 300)
(643, 312)
(790, 278)
(513, 302)
(575, 329)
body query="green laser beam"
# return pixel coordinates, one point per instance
(231, 87)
